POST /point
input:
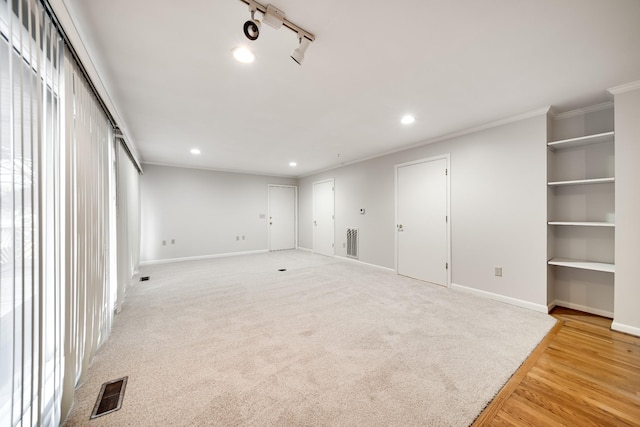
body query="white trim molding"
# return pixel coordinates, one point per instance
(584, 308)
(627, 87)
(496, 123)
(501, 298)
(580, 111)
(201, 257)
(221, 170)
(631, 330)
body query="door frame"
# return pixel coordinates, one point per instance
(313, 211)
(446, 157)
(295, 213)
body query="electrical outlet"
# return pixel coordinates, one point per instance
(242, 237)
(498, 271)
(237, 238)
(164, 243)
(173, 241)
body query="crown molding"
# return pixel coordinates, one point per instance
(580, 111)
(627, 87)
(489, 125)
(212, 169)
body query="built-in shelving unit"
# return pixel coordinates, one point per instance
(582, 182)
(583, 224)
(580, 141)
(580, 214)
(583, 265)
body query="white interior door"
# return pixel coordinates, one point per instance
(323, 219)
(282, 217)
(421, 220)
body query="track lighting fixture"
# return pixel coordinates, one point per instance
(252, 27)
(298, 53)
(275, 18)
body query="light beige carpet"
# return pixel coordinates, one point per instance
(233, 341)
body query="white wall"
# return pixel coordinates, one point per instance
(627, 276)
(498, 208)
(203, 211)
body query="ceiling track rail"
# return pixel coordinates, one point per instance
(290, 25)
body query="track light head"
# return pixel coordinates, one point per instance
(298, 53)
(252, 27)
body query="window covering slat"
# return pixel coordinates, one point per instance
(58, 281)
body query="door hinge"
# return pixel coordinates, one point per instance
(333, 245)
(446, 266)
(446, 218)
(446, 171)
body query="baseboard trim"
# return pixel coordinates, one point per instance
(300, 248)
(502, 298)
(620, 327)
(201, 257)
(579, 307)
(356, 261)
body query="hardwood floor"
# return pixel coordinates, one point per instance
(581, 374)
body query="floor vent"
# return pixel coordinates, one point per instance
(282, 269)
(144, 278)
(110, 397)
(352, 242)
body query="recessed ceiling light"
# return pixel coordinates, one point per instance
(243, 54)
(407, 119)
(293, 164)
(195, 151)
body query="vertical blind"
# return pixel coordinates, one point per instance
(61, 276)
(128, 202)
(31, 280)
(88, 303)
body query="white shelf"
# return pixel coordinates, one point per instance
(581, 141)
(582, 182)
(583, 224)
(583, 265)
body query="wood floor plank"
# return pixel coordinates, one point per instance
(590, 401)
(583, 373)
(622, 392)
(506, 419)
(537, 415)
(604, 371)
(557, 402)
(605, 333)
(620, 351)
(583, 318)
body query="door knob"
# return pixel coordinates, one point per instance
(400, 228)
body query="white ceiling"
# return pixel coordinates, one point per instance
(168, 68)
